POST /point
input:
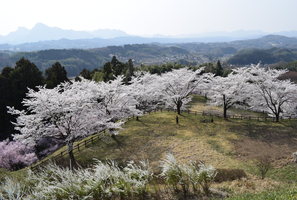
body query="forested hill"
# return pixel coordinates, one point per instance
(268, 49)
(265, 56)
(75, 60)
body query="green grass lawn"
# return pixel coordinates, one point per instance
(284, 193)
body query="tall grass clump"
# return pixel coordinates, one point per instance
(189, 178)
(102, 181)
(12, 190)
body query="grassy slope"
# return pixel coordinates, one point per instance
(157, 134)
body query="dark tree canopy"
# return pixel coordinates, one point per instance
(86, 74)
(6, 71)
(26, 74)
(14, 84)
(219, 69)
(115, 68)
(55, 75)
(6, 98)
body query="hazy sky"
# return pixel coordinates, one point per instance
(149, 17)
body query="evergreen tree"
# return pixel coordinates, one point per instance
(219, 69)
(14, 84)
(116, 66)
(25, 75)
(55, 75)
(6, 71)
(6, 99)
(86, 74)
(129, 71)
(107, 72)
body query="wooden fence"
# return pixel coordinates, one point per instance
(76, 148)
(241, 117)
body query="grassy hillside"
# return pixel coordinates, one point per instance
(228, 144)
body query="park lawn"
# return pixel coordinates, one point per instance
(221, 143)
(156, 134)
(215, 143)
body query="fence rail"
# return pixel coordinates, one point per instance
(76, 148)
(241, 117)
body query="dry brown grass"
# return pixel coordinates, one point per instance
(251, 184)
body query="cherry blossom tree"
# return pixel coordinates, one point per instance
(268, 93)
(147, 91)
(15, 155)
(228, 91)
(69, 112)
(117, 99)
(256, 88)
(178, 85)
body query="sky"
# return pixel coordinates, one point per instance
(151, 17)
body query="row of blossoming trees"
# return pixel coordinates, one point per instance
(75, 110)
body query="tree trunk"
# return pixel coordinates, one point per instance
(277, 117)
(225, 107)
(178, 106)
(73, 163)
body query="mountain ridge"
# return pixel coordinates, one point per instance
(42, 32)
(42, 37)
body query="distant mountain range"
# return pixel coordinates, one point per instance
(41, 32)
(43, 37)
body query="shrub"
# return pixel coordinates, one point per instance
(229, 175)
(263, 165)
(15, 155)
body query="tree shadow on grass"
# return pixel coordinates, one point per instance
(265, 132)
(275, 140)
